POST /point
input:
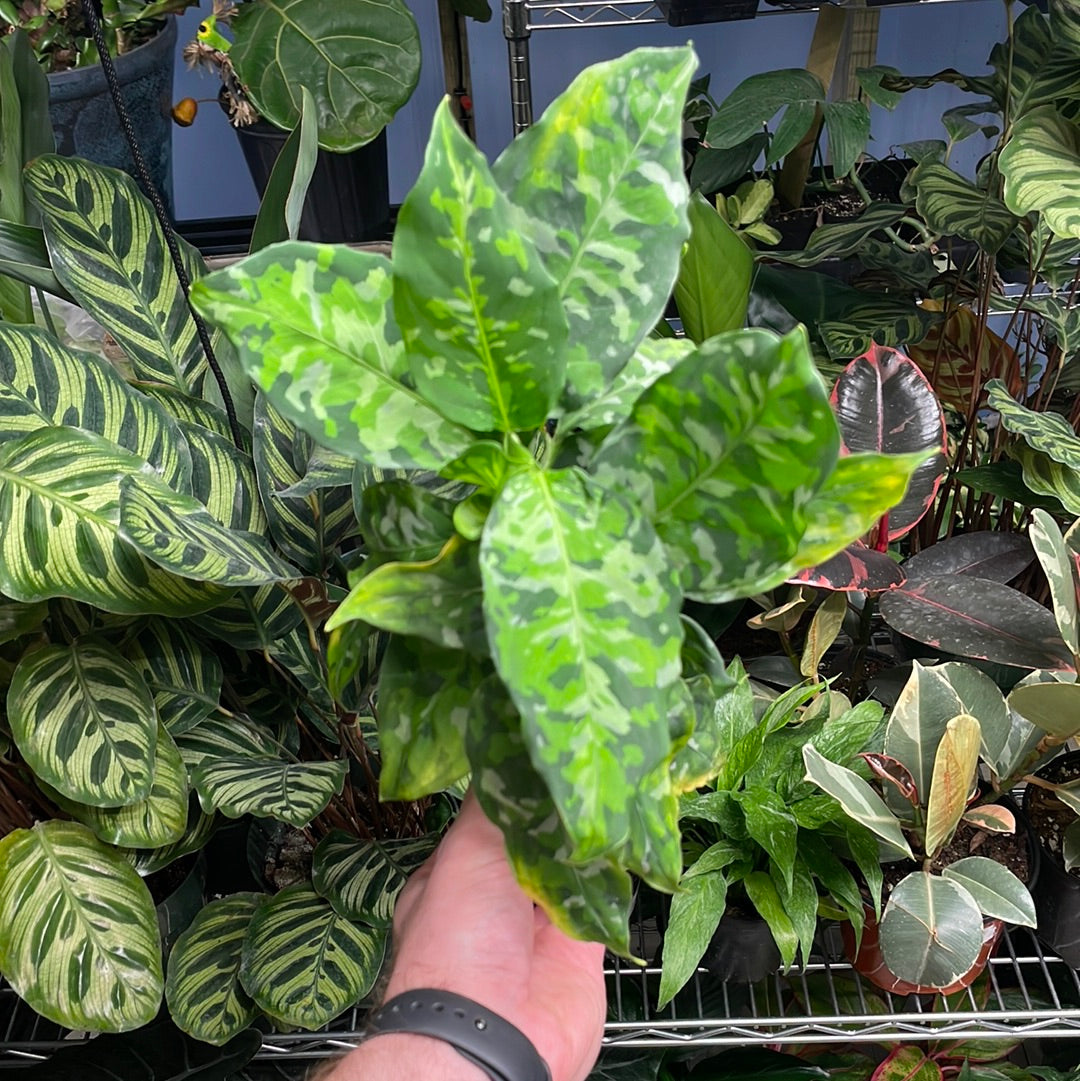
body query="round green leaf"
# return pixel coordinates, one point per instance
(1041, 166)
(78, 934)
(303, 963)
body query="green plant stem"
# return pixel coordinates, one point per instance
(920, 227)
(45, 313)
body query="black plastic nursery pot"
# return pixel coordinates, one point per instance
(742, 949)
(692, 12)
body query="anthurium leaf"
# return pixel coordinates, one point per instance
(1060, 570)
(361, 64)
(756, 100)
(303, 964)
(982, 554)
(423, 707)
(84, 721)
(975, 618)
(292, 792)
(44, 383)
(99, 226)
(907, 1063)
(857, 798)
(481, 317)
(575, 585)
(202, 987)
(330, 356)
(402, 597)
(885, 404)
(178, 534)
(841, 238)
(770, 906)
(692, 921)
(953, 779)
(1041, 167)
(931, 931)
(79, 938)
(725, 452)
(153, 822)
(771, 825)
(713, 287)
(950, 204)
(362, 878)
(600, 176)
(997, 891)
(1052, 707)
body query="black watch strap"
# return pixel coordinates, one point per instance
(489, 1041)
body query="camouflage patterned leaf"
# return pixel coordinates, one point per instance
(600, 177)
(292, 792)
(202, 986)
(303, 964)
(403, 521)
(724, 454)
(79, 939)
(84, 721)
(481, 317)
(1041, 166)
(583, 621)
(329, 356)
(362, 879)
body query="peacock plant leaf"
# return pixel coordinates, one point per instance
(223, 479)
(724, 454)
(84, 721)
(952, 782)
(481, 318)
(1060, 567)
(188, 411)
(1041, 167)
(197, 833)
(202, 986)
(362, 879)
(952, 206)
(222, 734)
(291, 792)
(582, 612)
(253, 618)
(43, 383)
(1044, 476)
(59, 529)
(330, 357)
(79, 939)
(303, 964)
(600, 176)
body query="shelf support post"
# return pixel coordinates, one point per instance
(516, 32)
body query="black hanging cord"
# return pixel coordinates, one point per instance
(92, 14)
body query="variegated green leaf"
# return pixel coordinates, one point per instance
(1041, 166)
(303, 964)
(308, 525)
(404, 521)
(362, 879)
(78, 934)
(582, 613)
(292, 792)
(481, 318)
(440, 599)
(1046, 431)
(222, 734)
(59, 529)
(43, 383)
(953, 206)
(177, 533)
(955, 765)
(423, 707)
(1060, 570)
(200, 828)
(202, 986)
(253, 618)
(1044, 476)
(724, 454)
(296, 655)
(997, 891)
(183, 675)
(85, 723)
(695, 914)
(223, 479)
(108, 250)
(314, 328)
(153, 822)
(600, 176)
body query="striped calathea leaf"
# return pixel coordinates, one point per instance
(1041, 166)
(223, 479)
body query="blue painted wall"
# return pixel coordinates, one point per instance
(211, 178)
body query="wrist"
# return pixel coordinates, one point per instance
(394, 1056)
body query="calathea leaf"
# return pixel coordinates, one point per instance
(79, 939)
(202, 987)
(303, 963)
(1060, 569)
(330, 356)
(1048, 432)
(952, 205)
(253, 618)
(197, 833)
(481, 317)
(84, 721)
(1056, 483)
(841, 238)
(583, 622)
(222, 734)
(1041, 166)
(599, 181)
(187, 411)
(223, 479)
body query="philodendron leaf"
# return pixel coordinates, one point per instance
(1060, 570)
(582, 613)
(724, 453)
(362, 879)
(329, 355)
(953, 779)
(303, 964)
(695, 914)
(84, 721)
(292, 792)
(202, 987)
(931, 931)
(79, 938)
(857, 798)
(599, 179)
(950, 204)
(1041, 167)
(997, 891)
(481, 318)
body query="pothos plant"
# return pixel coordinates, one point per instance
(536, 640)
